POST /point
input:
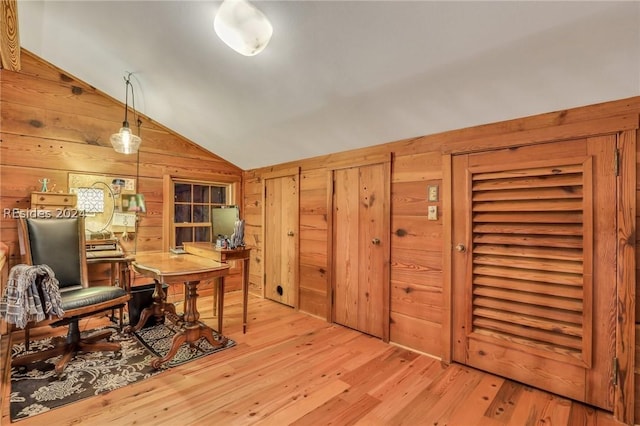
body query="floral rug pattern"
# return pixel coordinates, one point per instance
(36, 388)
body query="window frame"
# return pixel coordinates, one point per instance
(169, 226)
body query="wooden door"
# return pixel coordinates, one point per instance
(534, 265)
(281, 239)
(361, 249)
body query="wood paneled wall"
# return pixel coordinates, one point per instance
(53, 124)
(420, 248)
(418, 310)
(417, 243)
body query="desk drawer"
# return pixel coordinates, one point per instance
(203, 252)
(52, 200)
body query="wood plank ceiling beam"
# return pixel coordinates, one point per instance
(9, 36)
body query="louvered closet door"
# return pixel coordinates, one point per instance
(534, 265)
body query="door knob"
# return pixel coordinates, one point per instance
(376, 241)
(290, 233)
(461, 248)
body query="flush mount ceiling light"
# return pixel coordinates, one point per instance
(124, 141)
(242, 27)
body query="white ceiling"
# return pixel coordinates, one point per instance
(339, 75)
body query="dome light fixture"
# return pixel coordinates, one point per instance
(243, 27)
(125, 142)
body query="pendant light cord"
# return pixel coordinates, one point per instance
(128, 84)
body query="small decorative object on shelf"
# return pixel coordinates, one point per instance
(44, 182)
(237, 238)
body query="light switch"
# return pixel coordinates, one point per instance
(432, 193)
(432, 213)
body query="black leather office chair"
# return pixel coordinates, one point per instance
(60, 244)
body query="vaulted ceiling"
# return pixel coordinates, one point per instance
(339, 75)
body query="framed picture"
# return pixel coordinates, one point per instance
(133, 203)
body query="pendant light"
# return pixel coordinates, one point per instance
(125, 142)
(243, 27)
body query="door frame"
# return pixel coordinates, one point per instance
(384, 159)
(625, 280)
(624, 395)
(291, 171)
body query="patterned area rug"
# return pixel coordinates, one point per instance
(36, 389)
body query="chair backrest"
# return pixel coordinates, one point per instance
(58, 243)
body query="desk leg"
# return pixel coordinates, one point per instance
(178, 339)
(245, 293)
(220, 302)
(216, 289)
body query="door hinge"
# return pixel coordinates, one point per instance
(614, 368)
(616, 164)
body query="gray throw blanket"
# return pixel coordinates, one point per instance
(22, 302)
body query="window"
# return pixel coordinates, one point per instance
(192, 202)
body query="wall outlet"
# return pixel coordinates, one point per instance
(432, 213)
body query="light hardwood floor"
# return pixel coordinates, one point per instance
(294, 369)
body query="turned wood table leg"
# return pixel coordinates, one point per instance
(191, 314)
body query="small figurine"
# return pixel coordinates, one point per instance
(44, 182)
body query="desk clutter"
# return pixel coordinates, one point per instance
(100, 248)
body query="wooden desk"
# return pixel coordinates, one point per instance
(210, 251)
(190, 270)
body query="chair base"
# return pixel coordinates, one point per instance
(120, 322)
(69, 347)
